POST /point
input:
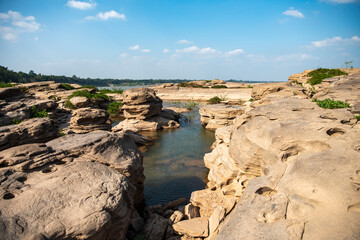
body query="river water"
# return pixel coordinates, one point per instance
(173, 164)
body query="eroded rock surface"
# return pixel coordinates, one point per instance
(77, 186)
(85, 120)
(219, 115)
(35, 130)
(143, 112)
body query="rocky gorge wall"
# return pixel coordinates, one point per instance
(292, 167)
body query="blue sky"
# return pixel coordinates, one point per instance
(198, 39)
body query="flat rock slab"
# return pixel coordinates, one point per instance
(196, 227)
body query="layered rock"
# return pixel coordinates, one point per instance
(85, 120)
(141, 103)
(219, 115)
(143, 112)
(93, 175)
(35, 130)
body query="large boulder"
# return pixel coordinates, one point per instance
(85, 120)
(219, 115)
(74, 187)
(35, 130)
(141, 103)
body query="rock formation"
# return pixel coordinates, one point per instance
(78, 186)
(143, 112)
(86, 120)
(219, 115)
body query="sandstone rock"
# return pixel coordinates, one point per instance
(218, 81)
(85, 120)
(113, 149)
(36, 130)
(216, 218)
(155, 227)
(192, 211)
(43, 185)
(261, 90)
(219, 115)
(196, 227)
(11, 92)
(80, 102)
(294, 155)
(176, 217)
(141, 103)
(137, 222)
(209, 200)
(139, 139)
(177, 109)
(136, 126)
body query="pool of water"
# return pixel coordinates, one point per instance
(173, 164)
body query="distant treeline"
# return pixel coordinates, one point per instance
(7, 76)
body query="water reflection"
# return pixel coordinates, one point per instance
(174, 165)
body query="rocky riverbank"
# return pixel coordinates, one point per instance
(286, 168)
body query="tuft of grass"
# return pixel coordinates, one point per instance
(331, 104)
(6, 85)
(321, 73)
(55, 98)
(249, 86)
(15, 121)
(61, 132)
(66, 86)
(36, 113)
(190, 105)
(219, 86)
(251, 100)
(216, 99)
(114, 108)
(90, 86)
(68, 104)
(115, 90)
(357, 117)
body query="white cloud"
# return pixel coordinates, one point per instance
(335, 41)
(234, 52)
(13, 23)
(146, 50)
(124, 55)
(296, 56)
(184, 41)
(166, 50)
(341, 1)
(81, 5)
(107, 15)
(294, 13)
(197, 50)
(135, 47)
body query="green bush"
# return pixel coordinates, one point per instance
(89, 95)
(214, 100)
(357, 117)
(90, 86)
(190, 85)
(15, 121)
(36, 113)
(66, 86)
(249, 86)
(69, 104)
(190, 104)
(331, 104)
(5, 85)
(321, 73)
(219, 86)
(251, 100)
(115, 90)
(114, 108)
